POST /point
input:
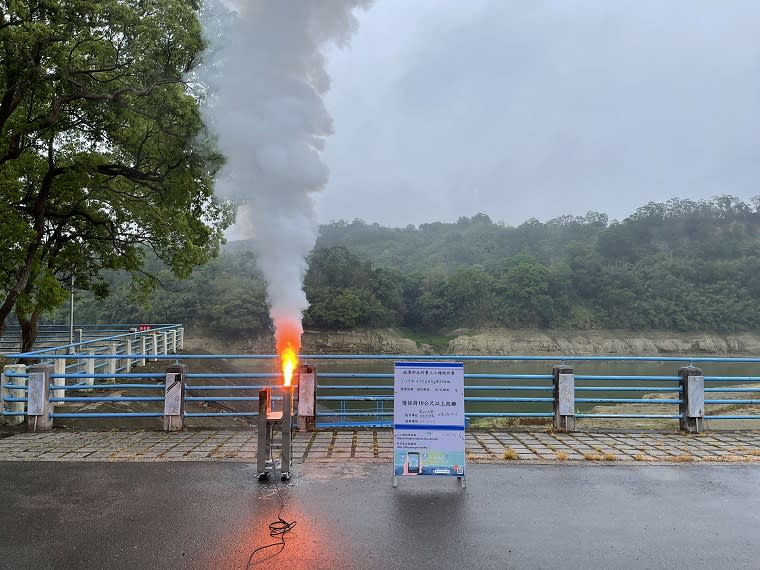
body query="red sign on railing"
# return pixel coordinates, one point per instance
(141, 328)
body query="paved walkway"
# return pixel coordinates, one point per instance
(377, 445)
(188, 515)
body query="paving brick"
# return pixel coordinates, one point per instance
(481, 446)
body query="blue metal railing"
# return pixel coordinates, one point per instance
(52, 337)
(350, 397)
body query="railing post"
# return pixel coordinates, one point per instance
(113, 349)
(174, 397)
(90, 367)
(164, 344)
(692, 406)
(78, 336)
(38, 398)
(9, 392)
(181, 338)
(173, 333)
(59, 367)
(128, 351)
(564, 398)
(143, 348)
(154, 346)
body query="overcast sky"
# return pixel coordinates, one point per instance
(535, 108)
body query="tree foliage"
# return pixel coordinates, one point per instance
(103, 155)
(683, 265)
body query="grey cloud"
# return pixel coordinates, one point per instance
(522, 109)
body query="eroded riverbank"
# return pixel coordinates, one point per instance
(499, 342)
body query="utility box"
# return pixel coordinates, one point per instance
(307, 396)
(35, 397)
(38, 398)
(696, 385)
(564, 398)
(692, 407)
(174, 397)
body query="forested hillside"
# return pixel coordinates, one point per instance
(678, 265)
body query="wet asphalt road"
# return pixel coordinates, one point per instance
(211, 515)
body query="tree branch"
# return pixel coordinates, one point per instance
(113, 97)
(129, 172)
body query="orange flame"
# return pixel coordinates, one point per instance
(289, 361)
(288, 344)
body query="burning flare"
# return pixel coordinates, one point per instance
(289, 361)
(288, 337)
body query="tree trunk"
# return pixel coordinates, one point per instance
(22, 279)
(28, 330)
(22, 275)
(28, 334)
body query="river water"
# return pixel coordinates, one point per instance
(742, 371)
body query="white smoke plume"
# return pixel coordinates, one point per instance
(266, 77)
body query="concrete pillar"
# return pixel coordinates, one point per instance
(181, 338)
(174, 397)
(112, 362)
(173, 336)
(59, 367)
(76, 339)
(128, 351)
(39, 409)
(164, 343)
(143, 348)
(90, 367)
(564, 398)
(692, 406)
(14, 407)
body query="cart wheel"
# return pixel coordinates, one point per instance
(263, 477)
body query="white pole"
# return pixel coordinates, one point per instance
(90, 367)
(128, 350)
(59, 367)
(112, 362)
(154, 346)
(71, 313)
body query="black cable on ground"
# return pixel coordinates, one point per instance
(277, 529)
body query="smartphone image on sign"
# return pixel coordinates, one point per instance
(414, 462)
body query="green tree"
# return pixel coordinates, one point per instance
(525, 289)
(472, 292)
(388, 287)
(336, 267)
(333, 309)
(102, 149)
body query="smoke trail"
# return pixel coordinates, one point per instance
(266, 76)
